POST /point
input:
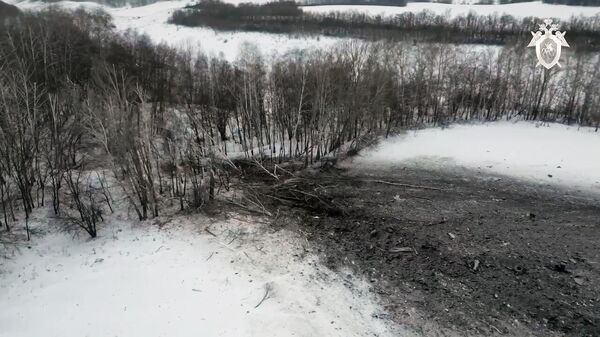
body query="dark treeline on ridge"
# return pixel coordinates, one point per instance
(81, 105)
(116, 3)
(354, 2)
(480, 2)
(573, 2)
(287, 17)
(7, 10)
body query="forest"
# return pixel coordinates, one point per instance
(480, 2)
(82, 107)
(573, 2)
(288, 18)
(354, 2)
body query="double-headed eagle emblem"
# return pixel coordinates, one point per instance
(548, 41)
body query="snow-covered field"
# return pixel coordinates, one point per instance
(152, 20)
(524, 9)
(555, 154)
(140, 280)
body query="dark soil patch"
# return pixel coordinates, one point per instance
(476, 256)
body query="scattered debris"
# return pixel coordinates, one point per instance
(519, 270)
(404, 185)
(560, 267)
(209, 232)
(401, 250)
(452, 236)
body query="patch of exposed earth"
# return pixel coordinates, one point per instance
(456, 252)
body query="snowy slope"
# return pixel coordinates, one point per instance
(142, 281)
(524, 9)
(524, 150)
(152, 20)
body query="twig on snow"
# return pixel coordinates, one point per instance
(404, 185)
(211, 255)
(268, 287)
(209, 232)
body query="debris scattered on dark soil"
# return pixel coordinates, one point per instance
(478, 267)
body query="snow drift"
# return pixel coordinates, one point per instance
(556, 154)
(179, 280)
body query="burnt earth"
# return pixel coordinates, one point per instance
(474, 256)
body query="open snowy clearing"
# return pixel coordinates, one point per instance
(140, 280)
(524, 9)
(551, 153)
(152, 20)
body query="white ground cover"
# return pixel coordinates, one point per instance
(179, 280)
(555, 154)
(152, 20)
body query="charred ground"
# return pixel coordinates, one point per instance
(455, 252)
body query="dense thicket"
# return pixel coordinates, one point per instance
(82, 108)
(503, 2)
(409, 27)
(354, 2)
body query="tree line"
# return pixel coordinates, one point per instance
(399, 3)
(424, 26)
(83, 108)
(573, 2)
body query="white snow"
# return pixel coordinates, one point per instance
(139, 280)
(152, 20)
(524, 150)
(519, 10)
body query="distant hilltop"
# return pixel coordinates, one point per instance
(7, 10)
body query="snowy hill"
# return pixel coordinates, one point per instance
(152, 20)
(7, 10)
